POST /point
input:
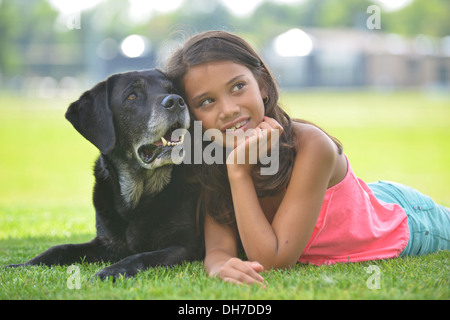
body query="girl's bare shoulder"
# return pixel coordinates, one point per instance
(307, 135)
(315, 146)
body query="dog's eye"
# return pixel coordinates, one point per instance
(132, 96)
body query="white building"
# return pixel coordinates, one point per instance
(347, 57)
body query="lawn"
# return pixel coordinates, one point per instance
(45, 199)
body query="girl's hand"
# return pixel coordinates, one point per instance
(237, 271)
(252, 144)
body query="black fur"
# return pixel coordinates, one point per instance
(145, 212)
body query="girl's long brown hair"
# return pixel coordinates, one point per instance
(224, 46)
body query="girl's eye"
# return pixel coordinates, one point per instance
(206, 102)
(238, 86)
(132, 96)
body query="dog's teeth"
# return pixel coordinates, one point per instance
(172, 143)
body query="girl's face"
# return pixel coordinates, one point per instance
(224, 95)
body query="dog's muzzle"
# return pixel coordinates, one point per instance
(159, 152)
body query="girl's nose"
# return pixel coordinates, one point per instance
(228, 109)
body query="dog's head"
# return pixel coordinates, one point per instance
(135, 115)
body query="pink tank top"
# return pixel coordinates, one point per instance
(354, 226)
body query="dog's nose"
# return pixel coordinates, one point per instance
(173, 102)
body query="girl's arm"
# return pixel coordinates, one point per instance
(221, 255)
(280, 244)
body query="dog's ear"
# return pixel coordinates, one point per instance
(91, 116)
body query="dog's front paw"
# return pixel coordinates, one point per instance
(116, 271)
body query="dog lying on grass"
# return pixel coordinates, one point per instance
(145, 210)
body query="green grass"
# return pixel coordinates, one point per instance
(45, 200)
(399, 279)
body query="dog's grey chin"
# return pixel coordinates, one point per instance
(153, 156)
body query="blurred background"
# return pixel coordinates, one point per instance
(375, 74)
(50, 47)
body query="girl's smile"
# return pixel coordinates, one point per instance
(224, 95)
(238, 125)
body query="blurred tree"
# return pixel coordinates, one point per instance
(271, 19)
(430, 17)
(33, 32)
(9, 32)
(337, 13)
(24, 27)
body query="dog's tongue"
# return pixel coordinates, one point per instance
(150, 152)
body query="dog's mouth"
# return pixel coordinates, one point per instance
(162, 148)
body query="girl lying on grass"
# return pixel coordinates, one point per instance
(314, 209)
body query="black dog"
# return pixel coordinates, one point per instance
(145, 210)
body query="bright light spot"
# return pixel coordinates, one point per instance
(241, 8)
(133, 46)
(288, 1)
(67, 7)
(166, 5)
(392, 5)
(293, 43)
(142, 10)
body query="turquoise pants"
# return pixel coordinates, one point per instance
(428, 222)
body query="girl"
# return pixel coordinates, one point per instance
(314, 209)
